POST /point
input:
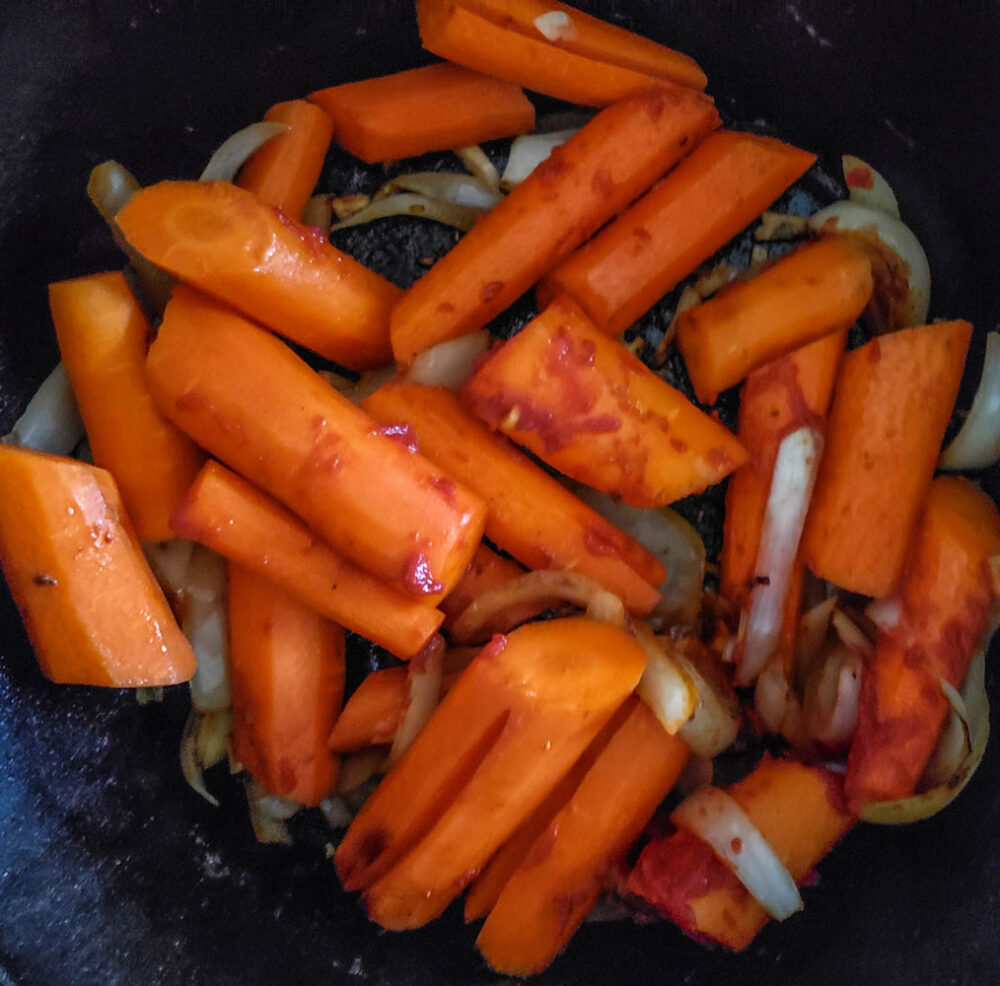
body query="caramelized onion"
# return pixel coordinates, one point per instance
(423, 676)
(237, 149)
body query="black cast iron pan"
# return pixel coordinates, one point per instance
(111, 871)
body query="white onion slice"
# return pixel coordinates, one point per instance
(977, 445)
(170, 562)
(236, 150)
(445, 186)
(449, 364)
(268, 814)
(712, 815)
(335, 811)
(664, 685)
(462, 217)
(480, 165)
(772, 696)
(357, 769)
(204, 742)
(715, 720)
(51, 421)
(885, 613)
(830, 704)
(424, 680)
(556, 25)
(795, 469)
(206, 625)
(867, 187)
(528, 152)
(851, 634)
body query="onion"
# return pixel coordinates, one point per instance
(409, 204)
(851, 634)
(234, 151)
(206, 626)
(358, 768)
(366, 385)
(885, 613)
(480, 166)
(319, 211)
(977, 445)
(712, 815)
(556, 25)
(268, 814)
(780, 226)
(792, 483)
(830, 703)
(772, 696)
(204, 742)
(51, 421)
(715, 720)
(449, 364)
(528, 152)
(664, 685)
(424, 680)
(689, 299)
(867, 187)
(335, 811)
(343, 206)
(445, 186)
(170, 562)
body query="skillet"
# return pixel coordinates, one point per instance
(111, 871)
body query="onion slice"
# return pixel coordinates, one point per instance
(446, 186)
(206, 625)
(462, 217)
(424, 680)
(528, 152)
(977, 445)
(170, 562)
(712, 815)
(664, 685)
(479, 165)
(830, 703)
(449, 364)
(204, 742)
(867, 187)
(236, 150)
(51, 421)
(715, 720)
(556, 25)
(268, 814)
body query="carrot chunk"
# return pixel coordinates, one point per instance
(372, 714)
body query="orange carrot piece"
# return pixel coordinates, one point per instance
(529, 514)
(434, 108)
(245, 396)
(946, 594)
(817, 289)
(777, 399)
(492, 38)
(221, 239)
(284, 172)
(798, 809)
(726, 182)
(553, 685)
(372, 714)
(286, 664)
(893, 399)
(233, 518)
(561, 877)
(587, 406)
(103, 335)
(597, 172)
(91, 606)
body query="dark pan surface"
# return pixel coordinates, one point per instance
(111, 871)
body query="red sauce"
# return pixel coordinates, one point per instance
(445, 307)
(860, 177)
(679, 444)
(602, 184)
(445, 486)
(601, 542)
(874, 351)
(418, 576)
(490, 290)
(402, 434)
(552, 168)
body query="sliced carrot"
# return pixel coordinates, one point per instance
(286, 666)
(93, 610)
(725, 183)
(284, 172)
(233, 518)
(893, 400)
(434, 108)
(551, 687)
(816, 290)
(103, 335)
(587, 406)
(372, 713)
(777, 398)
(568, 197)
(493, 38)
(245, 396)
(800, 812)
(529, 515)
(221, 239)
(946, 594)
(562, 875)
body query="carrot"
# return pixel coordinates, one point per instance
(221, 239)
(816, 290)
(92, 608)
(725, 183)
(247, 398)
(286, 664)
(284, 172)
(434, 108)
(545, 688)
(946, 595)
(233, 518)
(798, 809)
(529, 515)
(598, 67)
(568, 197)
(893, 400)
(371, 715)
(562, 875)
(587, 406)
(777, 398)
(103, 335)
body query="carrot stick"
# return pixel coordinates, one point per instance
(91, 606)
(562, 875)
(529, 515)
(235, 519)
(245, 396)
(816, 290)
(800, 812)
(553, 685)
(946, 597)
(725, 183)
(434, 108)
(221, 239)
(587, 406)
(284, 172)
(893, 400)
(493, 38)
(777, 399)
(103, 335)
(371, 715)
(286, 664)
(577, 189)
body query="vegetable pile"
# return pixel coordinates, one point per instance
(256, 443)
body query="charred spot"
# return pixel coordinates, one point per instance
(372, 845)
(762, 580)
(736, 844)
(43, 578)
(678, 444)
